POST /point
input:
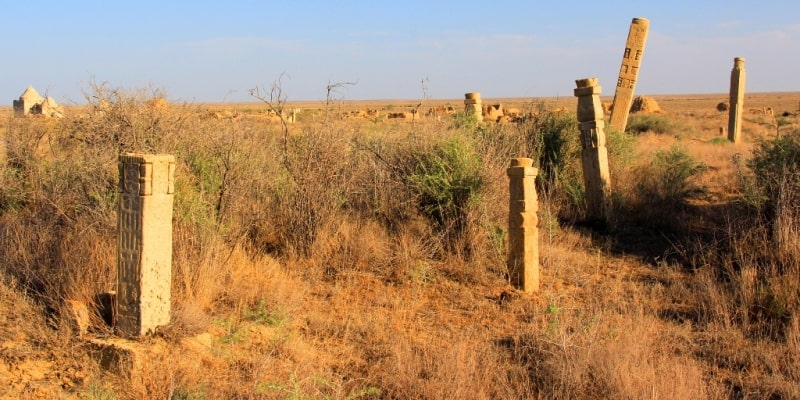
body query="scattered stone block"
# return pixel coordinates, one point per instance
(644, 104)
(125, 358)
(77, 317)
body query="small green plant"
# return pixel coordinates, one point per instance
(185, 393)
(235, 332)
(369, 391)
(261, 315)
(421, 273)
(94, 392)
(552, 312)
(719, 140)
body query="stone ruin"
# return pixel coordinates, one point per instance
(473, 105)
(32, 103)
(493, 112)
(644, 104)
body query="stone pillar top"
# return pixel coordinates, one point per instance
(522, 162)
(472, 96)
(587, 82)
(587, 87)
(145, 158)
(738, 62)
(641, 21)
(522, 167)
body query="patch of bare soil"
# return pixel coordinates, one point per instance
(35, 361)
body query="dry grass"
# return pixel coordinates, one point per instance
(306, 267)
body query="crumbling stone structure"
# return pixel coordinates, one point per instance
(628, 73)
(144, 250)
(27, 102)
(523, 233)
(594, 155)
(736, 100)
(473, 106)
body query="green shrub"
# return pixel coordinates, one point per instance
(668, 178)
(775, 164)
(447, 180)
(638, 124)
(552, 140)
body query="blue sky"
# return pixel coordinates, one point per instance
(204, 51)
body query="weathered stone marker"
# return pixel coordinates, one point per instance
(628, 73)
(736, 100)
(523, 234)
(473, 105)
(594, 156)
(144, 247)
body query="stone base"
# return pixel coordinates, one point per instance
(124, 358)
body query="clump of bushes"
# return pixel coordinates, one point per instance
(638, 124)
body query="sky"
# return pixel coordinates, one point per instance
(217, 51)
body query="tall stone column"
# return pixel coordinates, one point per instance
(594, 155)
(628, 73)
(737, 100)
(473, 105)
(523, 234)
(144, 247)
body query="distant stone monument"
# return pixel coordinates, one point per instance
(523, 234)
(736, 100)
(594, 155)
(473, 106)
(628, 73)
(27, 103)
(144, 250)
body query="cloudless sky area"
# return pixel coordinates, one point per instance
(204, 51)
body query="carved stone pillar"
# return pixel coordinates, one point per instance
(628, 73)
(594, 155)
(473, 105)
(144, 247)
(523, 233)
(736, 100)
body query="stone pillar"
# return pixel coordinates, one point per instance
(594, 155)
(523, 234)
(144, 245)
(628, 73)
(473, 105)
(736, 101)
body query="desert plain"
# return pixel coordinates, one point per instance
(349, 255)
